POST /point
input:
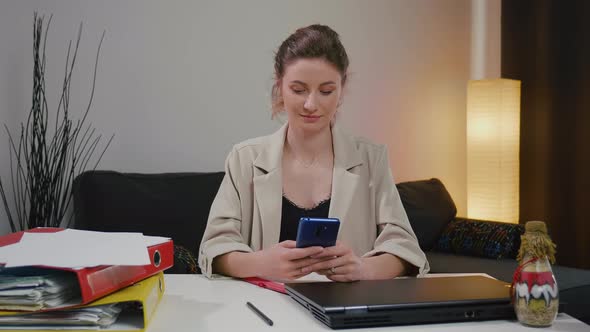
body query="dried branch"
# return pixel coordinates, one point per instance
(43, 167)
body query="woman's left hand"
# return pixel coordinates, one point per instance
(339, 263)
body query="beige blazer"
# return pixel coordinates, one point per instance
(246, 213)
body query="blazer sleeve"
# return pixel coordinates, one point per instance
(223, 231)
(395, 233)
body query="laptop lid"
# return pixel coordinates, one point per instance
(402, 293)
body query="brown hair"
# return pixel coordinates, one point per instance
(314, 41)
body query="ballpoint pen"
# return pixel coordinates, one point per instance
(260, 314)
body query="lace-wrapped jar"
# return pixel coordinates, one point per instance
(535, 292)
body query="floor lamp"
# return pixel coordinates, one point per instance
(493, 145)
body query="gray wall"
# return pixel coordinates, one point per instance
(15, 90)
(181, 81)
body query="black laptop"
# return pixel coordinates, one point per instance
(404, 301)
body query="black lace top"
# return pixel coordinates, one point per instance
(292, 213)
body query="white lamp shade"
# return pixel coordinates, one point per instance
(493, 143)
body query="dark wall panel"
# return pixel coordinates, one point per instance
(546, 45)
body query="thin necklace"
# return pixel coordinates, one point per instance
(315, 158)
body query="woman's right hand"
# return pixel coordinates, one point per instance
(284, 261)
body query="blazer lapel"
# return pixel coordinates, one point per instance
(268, 187)
(344, 181)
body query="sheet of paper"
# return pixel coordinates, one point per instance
(34, 289)
(154, 240)
(75, 248)
(8, 252)
(96, 317)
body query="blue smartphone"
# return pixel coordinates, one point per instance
(320, 232)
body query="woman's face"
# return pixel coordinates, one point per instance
(311, 90)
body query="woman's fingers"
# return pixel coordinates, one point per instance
(299, 253)
(288, 244)
(337, 250)
(343, 269)
(327, 264)
(340, 278)
(303, 262)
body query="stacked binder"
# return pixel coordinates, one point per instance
(46, 297)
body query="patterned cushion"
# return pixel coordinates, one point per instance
(481, 238)
(184, 261)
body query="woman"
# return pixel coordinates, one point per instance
(309, 168)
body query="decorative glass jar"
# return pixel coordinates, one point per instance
(536, 296)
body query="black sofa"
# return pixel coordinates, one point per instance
(177, 205)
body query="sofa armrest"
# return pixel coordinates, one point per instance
(482, 238)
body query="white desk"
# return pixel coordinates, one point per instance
(194, 303)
